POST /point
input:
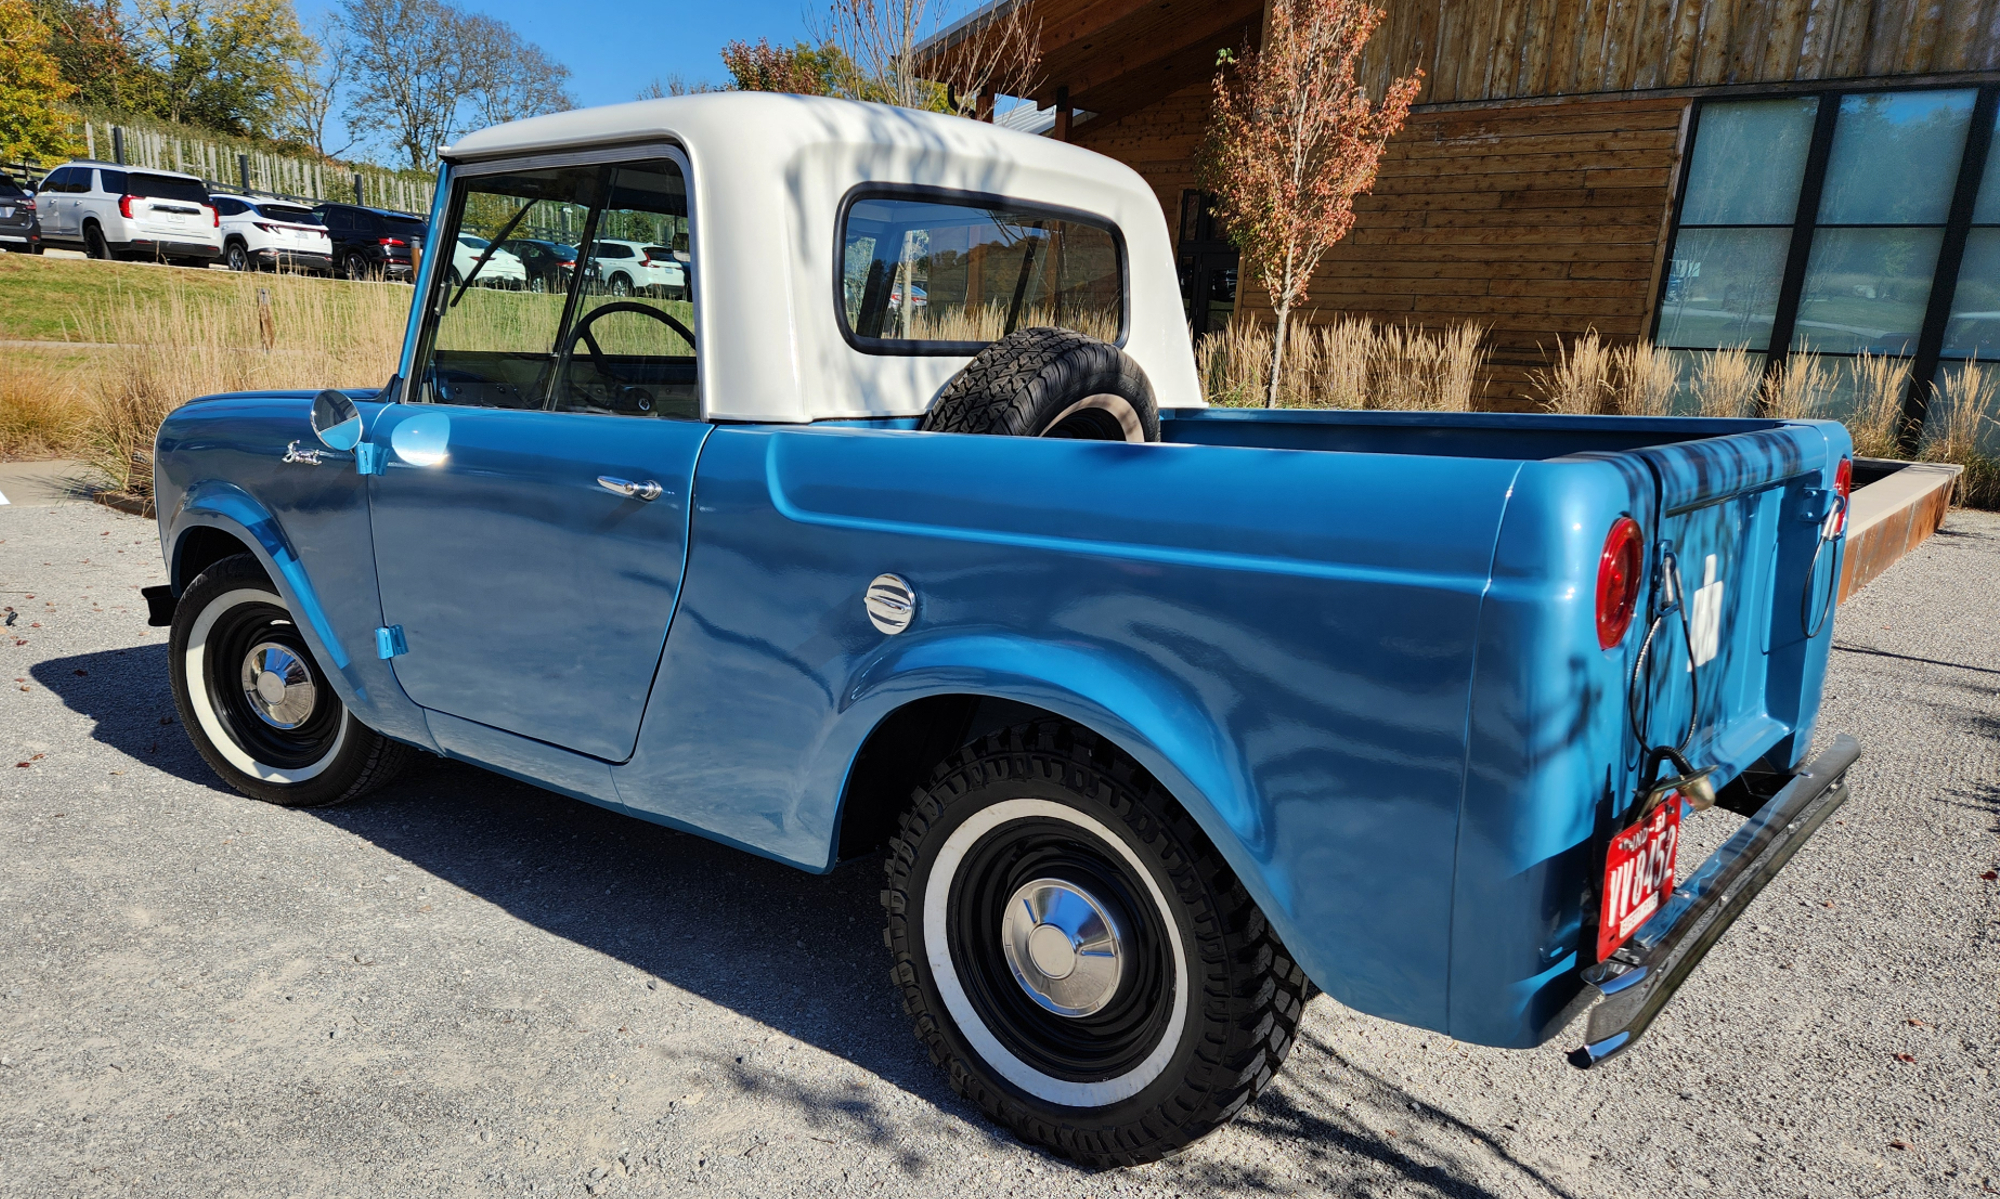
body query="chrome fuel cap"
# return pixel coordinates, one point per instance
(1064, 947)
(279, 686)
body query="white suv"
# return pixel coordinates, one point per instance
(109, 211)
(271, 233)
(502, 269)
(626, 267)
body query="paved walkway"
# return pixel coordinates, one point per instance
(41, 484)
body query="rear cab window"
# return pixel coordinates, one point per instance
(925, 272)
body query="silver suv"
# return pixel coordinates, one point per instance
(109, 211)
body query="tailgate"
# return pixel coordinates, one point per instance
(1742, 517)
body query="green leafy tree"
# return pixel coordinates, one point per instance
(94, 49)
(235, 66)
(31, 85)
(803, 69)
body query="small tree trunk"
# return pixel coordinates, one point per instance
(1277, 355)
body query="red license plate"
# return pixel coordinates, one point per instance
(1638, 875)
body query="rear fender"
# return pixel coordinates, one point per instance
(1146, 714)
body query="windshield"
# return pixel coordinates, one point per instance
(9, 188)
(477, 243)
(165, 187)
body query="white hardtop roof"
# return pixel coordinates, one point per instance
(769, 173)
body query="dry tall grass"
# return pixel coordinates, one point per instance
(1643, 379)
(40, 412)
(1880, 383)
(1726, 382)
(1965, 421)
(1797, 390)
(298, 334)
(1352, 362)
(1580, 382)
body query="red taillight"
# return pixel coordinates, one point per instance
(125, 207)
(264, 227)
(215, 215)
(1618, 573)
(28, 205)
(390, 241)
(1843, 485)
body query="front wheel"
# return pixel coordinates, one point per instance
(1076, 954)
(256, 704)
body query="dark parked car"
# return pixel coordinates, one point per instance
(372, 243)
(549, 263)
(20, 230)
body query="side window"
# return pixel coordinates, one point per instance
(228, 207)
(112, 182)
(57, 184)
(950, 275)
(615, 340)
(339, 220)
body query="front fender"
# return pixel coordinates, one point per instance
(363, 682)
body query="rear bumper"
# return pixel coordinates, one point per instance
(1636, 982)
(171, 249)
(299, 258)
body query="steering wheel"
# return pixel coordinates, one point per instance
(597, 354)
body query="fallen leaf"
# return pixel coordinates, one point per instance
(19, 765)
(81, 673)
(1913, 1022)
(1906, 1057)
(1990, 875)
(1899, 1144)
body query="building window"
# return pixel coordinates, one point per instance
(1207, 262)
(1840, 223)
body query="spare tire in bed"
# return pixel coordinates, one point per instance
(1049, 383)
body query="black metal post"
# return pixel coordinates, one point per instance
(1937, 314)
(1785, 318)
(243, 170)
(358, 198)
(118, 144)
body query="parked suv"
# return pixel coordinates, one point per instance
(372, 243)
(628, 267)
(20, 227)
(257, 234)
(548, 263)
(109, 211)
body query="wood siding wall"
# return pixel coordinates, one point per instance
(1536, 222)
(1511, 49)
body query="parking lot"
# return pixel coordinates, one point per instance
(464, 985)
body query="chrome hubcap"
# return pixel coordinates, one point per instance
(278, 685)
(1064, 947)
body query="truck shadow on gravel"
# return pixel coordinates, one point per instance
(799, 953)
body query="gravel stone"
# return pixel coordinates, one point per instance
(583, 986)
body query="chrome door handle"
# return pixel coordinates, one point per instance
(648, 490)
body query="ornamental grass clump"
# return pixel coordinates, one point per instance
(1964, 429)
(1579, 384)
(1726, 382)
(1880, 383)
(1643, 379)
(1797, 390)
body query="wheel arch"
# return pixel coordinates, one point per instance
(217, 519)
(938, 696)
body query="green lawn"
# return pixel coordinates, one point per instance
(40, 297)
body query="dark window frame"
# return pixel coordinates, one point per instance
(907, 347)
(1805, 224)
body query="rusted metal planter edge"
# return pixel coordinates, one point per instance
(1892, 516)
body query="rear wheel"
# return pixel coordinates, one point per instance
(238, 256)
(256, 704)
(621, 285)
(1075, 953)
(94, 244)
(355, 269)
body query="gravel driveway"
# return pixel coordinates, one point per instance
(464, 985)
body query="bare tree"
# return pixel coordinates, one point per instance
(676, 84)
(1293, 140)
(409, 72)
(511, 77)
(998, 51)
(321, 68)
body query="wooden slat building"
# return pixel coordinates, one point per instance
(1537, 186)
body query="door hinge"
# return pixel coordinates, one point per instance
(389, 641)
(369, 459)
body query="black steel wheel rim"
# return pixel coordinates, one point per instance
(1105, 1044)
(234, 634)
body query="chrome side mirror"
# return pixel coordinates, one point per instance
(336, 420)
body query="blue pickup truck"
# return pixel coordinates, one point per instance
(899, 528)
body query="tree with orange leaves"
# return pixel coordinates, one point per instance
(1294, 138)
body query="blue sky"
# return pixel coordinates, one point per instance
(615, 47)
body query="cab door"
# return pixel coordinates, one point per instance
(531, 510)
